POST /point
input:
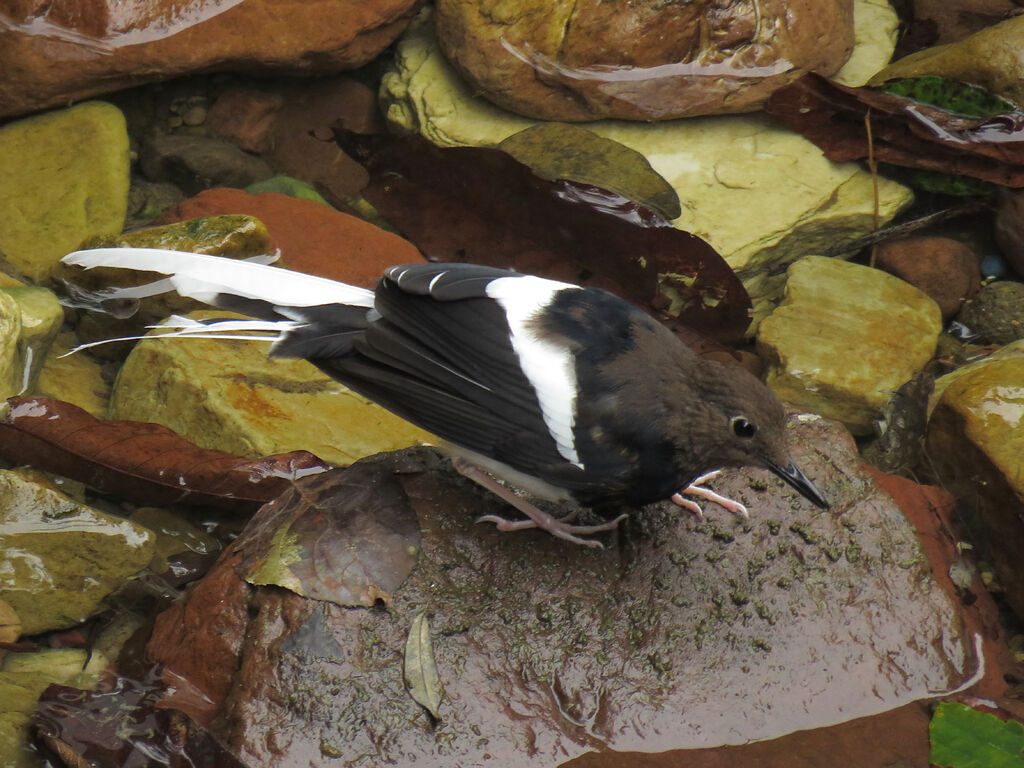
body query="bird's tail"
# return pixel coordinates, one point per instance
(303, 315)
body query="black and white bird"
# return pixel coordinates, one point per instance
(564, 392)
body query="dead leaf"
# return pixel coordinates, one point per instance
(348, 536)
(421, 676)
(140, 462)
(903, 132)
(495, 211)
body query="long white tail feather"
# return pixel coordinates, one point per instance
(200, 276)
(178, 327)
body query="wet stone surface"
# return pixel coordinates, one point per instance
(680, 634)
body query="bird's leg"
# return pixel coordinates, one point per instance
(538, 518)
(695, 489)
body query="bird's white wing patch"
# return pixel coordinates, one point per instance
(200, 276)
(550, 367)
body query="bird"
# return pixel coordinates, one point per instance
(563, 392)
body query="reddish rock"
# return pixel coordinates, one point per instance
(312, 237)
(642, 60)
(303, 140)
(245, 117)
(1010, 230)
(945, 269)
(55, 51)
(951, 22)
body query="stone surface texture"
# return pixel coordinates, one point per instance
(55, 52)
(717, 165)
(64, 179)
(845, 338)
(229, 396)
(945, 269)
(680, 634)
(645, 60)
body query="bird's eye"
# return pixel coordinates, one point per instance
(743, 428)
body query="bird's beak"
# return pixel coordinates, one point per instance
(792, 475)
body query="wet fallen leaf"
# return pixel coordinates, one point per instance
(496, 211)
(123, 726)
(963, 737)
(348, 536)
(903, 132)
(140, 462)
(421, 676)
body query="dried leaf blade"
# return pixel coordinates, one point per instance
(421, 677)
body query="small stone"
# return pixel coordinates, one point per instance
(1009, 230)
(996, 314)
(194, 116)
(245, 116)
(845, 338)
(945, 269)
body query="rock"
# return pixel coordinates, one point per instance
(955, 21)
(286, 185)
(11, 363)
(640, 60)
(303, 143)
(41, 318)
(174, 536)
(996, 314)
(148, 199)
(65, 178)
(718, 166)
(55, 52)
(545, 652)
(229, 396)
(1009, 229)
(845, 338)
(312, 237)
(76, 379)
(989, 58)
(975, 443)
(945, 269)
(195, 163)
(877, 28)
(63, 557)
(245, 116)
(1016, 349)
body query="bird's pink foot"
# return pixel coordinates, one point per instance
(695, 489)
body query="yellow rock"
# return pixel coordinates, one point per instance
(64, 179)
(228, 395)
(11, 366)
(1016, 349)
(76, 379)
(876, 27)
(761, 195)
(845, 337)
(41, 318)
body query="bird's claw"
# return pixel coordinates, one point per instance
(559, 527)
(695, 489)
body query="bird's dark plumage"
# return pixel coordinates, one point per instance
(569, 391)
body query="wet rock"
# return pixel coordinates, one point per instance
(10, 355)
(148, 199)
(55, 52)
(303, 141)
(63, 557)
(975, 443)
(41, 318)
(968, 366)
(76, 379)
(989, 58)
(312, 238)
(845, 338)
(195, 163)
(642, 60)
(286, 185)
(945, 269)
(1009, 230)
(680, 634)
(174, 536)
(245, 117)
(996, 314)
(717, 166)
(65, 178)
(229, 396)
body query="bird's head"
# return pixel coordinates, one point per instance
(746, 425)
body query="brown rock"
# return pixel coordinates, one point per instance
(945, 269)
(312, 237)
(644, 60)
(1010, 230)
(52, 52)
(245, 117)
(303, 140)
(195, 163)
(955, 21)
